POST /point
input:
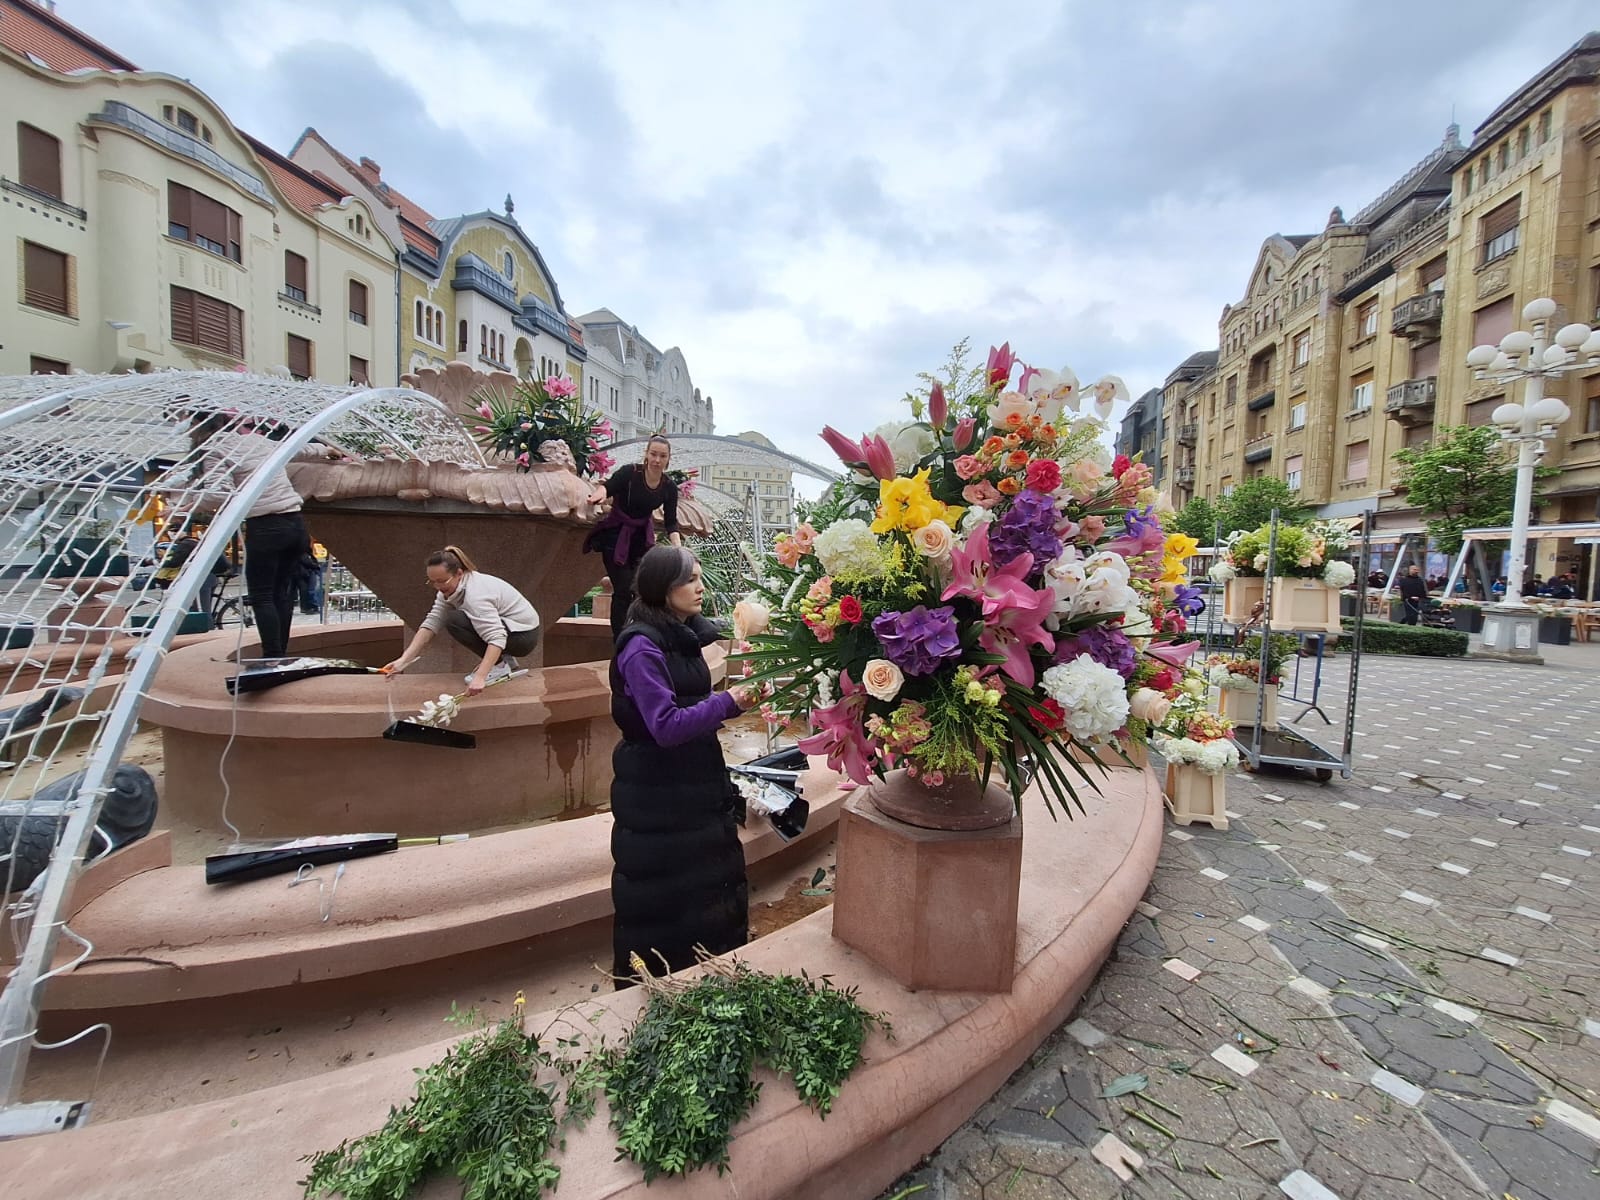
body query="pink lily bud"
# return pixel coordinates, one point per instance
(966, 432)
(938, 411)
(880, 459)
(850, 453)
(1001, 360)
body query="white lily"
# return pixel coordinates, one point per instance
(1107, 389)
(1051, 391)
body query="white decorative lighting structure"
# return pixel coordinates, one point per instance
(1529, 358)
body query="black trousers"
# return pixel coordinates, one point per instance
(460, 627)
(621, 576)
(273, 545)
(1410, 610)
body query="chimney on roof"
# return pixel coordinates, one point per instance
(1452, 137)
(371, 166)
(48, 5)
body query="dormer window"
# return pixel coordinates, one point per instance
(510, 271)
(186, 122)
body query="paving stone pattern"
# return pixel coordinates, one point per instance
(1398, 988)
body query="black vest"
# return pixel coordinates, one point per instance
(682, 646)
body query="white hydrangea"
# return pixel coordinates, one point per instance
(1221, 572)
(1338, 574)
(908, 441)
(1094, 697)
(849, 547)
(1213, 758)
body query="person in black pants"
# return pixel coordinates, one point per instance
(1413, 596)
(634, 492)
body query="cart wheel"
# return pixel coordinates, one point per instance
(1245, 765)
(1324, 774)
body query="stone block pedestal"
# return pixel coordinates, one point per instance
(936, 909)
(1511, 634)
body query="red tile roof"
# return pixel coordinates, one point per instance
(300, 187)
(414, 218)
(27, 29)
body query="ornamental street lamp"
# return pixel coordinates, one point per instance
(1511, 629)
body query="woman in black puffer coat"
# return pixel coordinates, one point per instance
(678, 877)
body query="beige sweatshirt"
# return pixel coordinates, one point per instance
(490, 603)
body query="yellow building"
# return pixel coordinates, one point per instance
(766, 491)
(473, 289)
(1351, 344)
(147, 231)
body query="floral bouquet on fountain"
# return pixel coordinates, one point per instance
(987, 588)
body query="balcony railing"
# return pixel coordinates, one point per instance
(115, 112)
(1188, 434)
(41, 197)
(1264, 399)
(1185, 474)
(1411, 402)
(1419, 315)
(1258, 449)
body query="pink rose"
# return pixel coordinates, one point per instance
(968, 467)
(1149, 705)
(882, 679)
(750, 617)
(933, 540)
(983, 494)
(1011, 405)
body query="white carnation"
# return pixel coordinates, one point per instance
(1338, 574)
(1094, 697)
(908, 442)
(974, 517)
(849, 547)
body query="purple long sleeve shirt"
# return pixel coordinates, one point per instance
(644, 673)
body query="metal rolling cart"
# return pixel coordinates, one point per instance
(1291, 747)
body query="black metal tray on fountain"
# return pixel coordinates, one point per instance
(782, 766)
(263, 674)
(258, 860)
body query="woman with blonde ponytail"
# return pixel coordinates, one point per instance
(482, 612)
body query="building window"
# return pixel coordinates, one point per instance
(358, 371)
(1591, 404)
(1466, 182)
(1367, 320)
(1233, 389)
(205, 321)
(1361, 394)
(195, 217)
(1291, 471)
(422, 329)
(299, 357)
(38, 365)
(510, 271)
(294, 276)
(483, 340)
(39, 160)
(1430, 276)
(1355, 462)
(1505, 154)
(358, 302)
(1418, 436)
(461, 338)
(1546, 121)
(1302, 348)
(1492, 322)
(1498, 229)
(1297, 417)
(1479, 411)
(1524, 141)
(44, 279)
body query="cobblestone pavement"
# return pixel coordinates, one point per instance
(1381, 987)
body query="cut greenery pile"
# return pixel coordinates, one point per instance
(491, 1110)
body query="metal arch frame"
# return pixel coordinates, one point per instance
(19, 1004)
(806, 468)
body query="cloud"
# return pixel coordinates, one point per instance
(815, 201)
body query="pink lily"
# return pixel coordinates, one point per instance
(938, 411)
(1001, 361)
(1026, 378)
(880, 459)
(1014, 628)
(840, 736)
(850, 453)
(966, 433)
(1174, 654)
(973, 574)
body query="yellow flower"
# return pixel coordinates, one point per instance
(907, 504)
(1181, 545)
(1172, 570)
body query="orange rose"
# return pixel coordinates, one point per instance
(1010, 486)
(1017, 460)
(993, 446)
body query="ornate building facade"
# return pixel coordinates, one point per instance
(1350, 344)
(639, 388)
(147, 231)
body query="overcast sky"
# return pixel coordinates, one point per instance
(815, 199)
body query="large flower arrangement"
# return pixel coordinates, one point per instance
(988, 585)
(1191, 736)
(1303, 551)
(1242, 671)
(523, 426)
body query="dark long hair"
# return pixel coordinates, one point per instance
(661, 569)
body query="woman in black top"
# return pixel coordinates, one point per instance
(634, 492)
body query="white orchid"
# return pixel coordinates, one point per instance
(1107, 389)
(439, 713)
(1051, 391)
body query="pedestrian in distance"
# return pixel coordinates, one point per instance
(1413, 595)
(480, 611)
(678, 875)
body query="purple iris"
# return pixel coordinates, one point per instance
(1106, 644)
(920, 639)
(1189, 600)
(1028, 527)
(1139, 524)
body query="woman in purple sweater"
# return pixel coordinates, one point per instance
(678, 878)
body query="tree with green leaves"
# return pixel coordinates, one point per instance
(1198, 519)
(1465, 479)
(1250, 504)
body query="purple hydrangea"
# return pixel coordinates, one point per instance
(1106, 644)
(1028, 527)
(919, 640)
